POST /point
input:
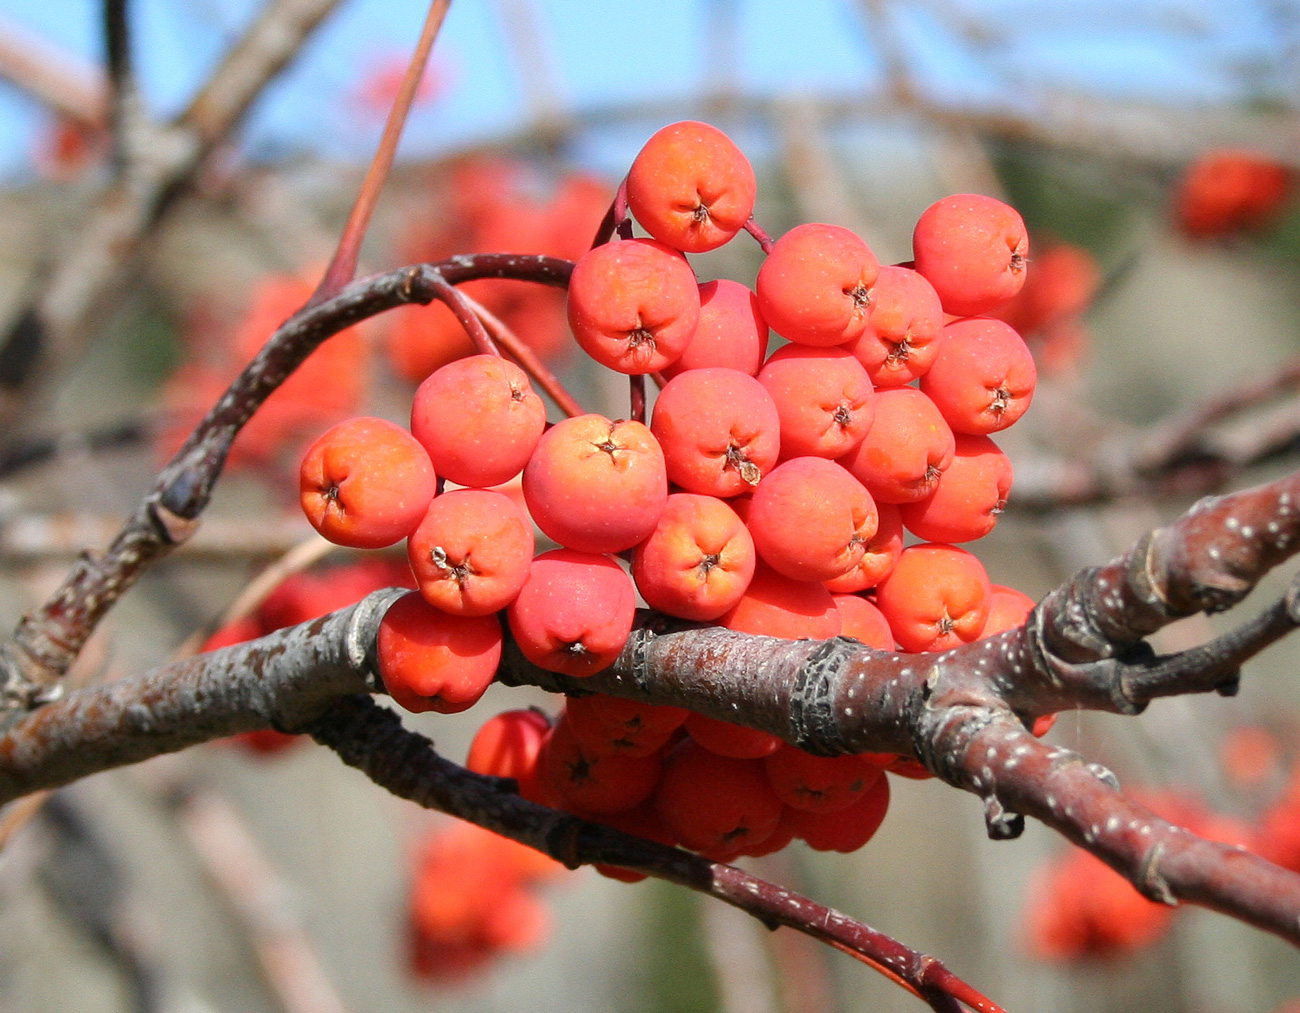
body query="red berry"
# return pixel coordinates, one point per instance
(983, 378)
(691, 187)
(492, 443)
(365, 483)
(596, 486)
(471, 553)
(573, 613)
(973, 250)
(814, 288)
(432, 661)
(731, 331)
(633, 305)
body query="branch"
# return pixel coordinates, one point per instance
(70, 88)
(372, 739)
(962, 712)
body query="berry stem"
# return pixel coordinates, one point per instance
(636, 390)
(458, 304)
(531, 362)
(343, 267)
(765, 241)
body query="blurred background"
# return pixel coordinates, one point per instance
(1151, 148)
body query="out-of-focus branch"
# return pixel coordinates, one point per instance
(28, 538)
(1193, 454)
(256, 893)
(78, 291)
(67, 86)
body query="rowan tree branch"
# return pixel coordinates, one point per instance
(372, 739)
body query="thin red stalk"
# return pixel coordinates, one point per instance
(459, 305)
(531, 362)
(636, 391)
(343, 267)
(759, 233)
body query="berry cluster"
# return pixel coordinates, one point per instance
(768, 494)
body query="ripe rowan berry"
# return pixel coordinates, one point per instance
(968, 498)
(776, 606)
(573, 613)
(593, 782)
(432, 661)
(907, 448)
(719, 431)
(730, 332)
(815, 287)
(811, 520)
(365, 483)
(903, 324)
(973, 250)
(489, 444)
(983, 378)
(823, 397)
(713, 804)
(691, 187)
(471, 552)
(936, 598)
(697, 562)
(596, 485)
(633, 305)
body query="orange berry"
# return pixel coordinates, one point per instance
(596, 485)
(968, 498)
(810, 519)
(574, 612)
(490, 444)
(936, 598)
(973, 250)
(815, 286)
(903, 325)
(861, 620)
(633, 305)
(471, 553)
(698, 560)
(823, 397)
(507, 745)
(907, 448)
(691, 187)
(731, 331)
(848, 829)
(365, 483)
(719, 431)
(819, 784)
(432, 661)
(714, 804)
(879, 554)
(776, 606)
(983, 379)
(595, 782)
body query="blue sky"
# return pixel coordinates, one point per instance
(603, 52)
